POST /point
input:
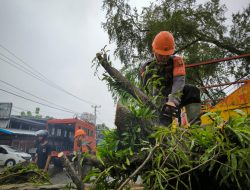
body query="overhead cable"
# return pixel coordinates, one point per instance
(28, 99)
(34, 73)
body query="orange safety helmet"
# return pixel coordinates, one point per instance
(163, 43)
(79, 132)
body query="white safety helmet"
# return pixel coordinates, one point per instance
(42, 133)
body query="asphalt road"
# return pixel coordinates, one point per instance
(56, 176)
(59, 176)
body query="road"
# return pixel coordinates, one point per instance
(59, 176)
(56, 176)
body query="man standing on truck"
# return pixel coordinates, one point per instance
(43, 152)
(81, 140)
(80, 137)
(171, 69)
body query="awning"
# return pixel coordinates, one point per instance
(17, 132)
(5, 131)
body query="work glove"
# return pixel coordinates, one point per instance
(169, 110)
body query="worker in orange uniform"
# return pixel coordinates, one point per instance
(80, 136)
(171, 68)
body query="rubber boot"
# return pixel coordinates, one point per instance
(193, 111)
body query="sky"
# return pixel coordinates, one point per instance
(59, 38)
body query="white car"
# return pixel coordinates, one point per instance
(10, 156)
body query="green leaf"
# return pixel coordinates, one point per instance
(233, 161)
(192, 145)
(127, 161)
(130, 152)
(98, 156)
(124, 167)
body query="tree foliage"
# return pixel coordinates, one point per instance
(201, 157)
(201, 32)
(212, 157)
(23, 173)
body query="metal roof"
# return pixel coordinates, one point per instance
(27, 121)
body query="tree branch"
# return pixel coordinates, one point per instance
(139, 168)
(71, 171)
(173, 148)
(224, 43)
(186, 46)
(124, 83)
(196, 167)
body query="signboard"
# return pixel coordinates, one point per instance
(5, 110)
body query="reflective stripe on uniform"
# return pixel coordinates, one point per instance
(179, 67)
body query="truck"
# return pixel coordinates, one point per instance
(61, 136)
(239, 99)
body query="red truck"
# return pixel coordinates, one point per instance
(62, 132)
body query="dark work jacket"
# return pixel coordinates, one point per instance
(164, 71)
(43, 151)
(173, 74)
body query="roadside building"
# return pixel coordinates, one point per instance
(19, 132)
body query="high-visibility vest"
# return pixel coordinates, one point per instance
(174, 67)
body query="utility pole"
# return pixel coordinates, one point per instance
(95, 108)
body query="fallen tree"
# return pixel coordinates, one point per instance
(26, 176)
(215, 156)
(212, 157)
(23, 173)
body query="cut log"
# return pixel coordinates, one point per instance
(92, 161)
(125, 120)
(71, 171)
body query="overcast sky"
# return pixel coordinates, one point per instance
(59, 38)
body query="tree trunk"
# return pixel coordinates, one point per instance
(124, 83)
(72, 172)
(125, 121)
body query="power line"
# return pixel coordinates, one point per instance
(34, 95)
(43, 78)
(21, 69)
(16, 63)
(19, 109)
(8, 92)
(21, 61)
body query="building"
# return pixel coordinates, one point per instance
(88, 117)
(100, 128)
(19, 132)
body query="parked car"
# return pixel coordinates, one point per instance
(10, 156)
